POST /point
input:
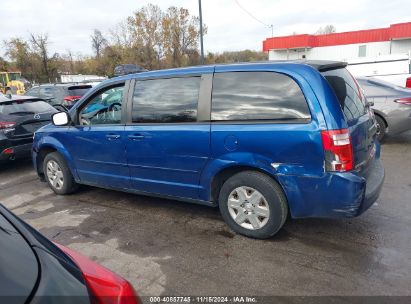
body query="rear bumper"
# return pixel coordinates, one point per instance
(375, 180)
(20, 151)
(334, 195)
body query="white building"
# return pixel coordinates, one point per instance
(81, 78)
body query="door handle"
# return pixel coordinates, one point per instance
(136, 137)
(112, 136)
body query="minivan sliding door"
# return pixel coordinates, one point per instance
(167, 144)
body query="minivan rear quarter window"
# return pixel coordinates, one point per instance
(347, 92)
(166, 100)
(257, 96)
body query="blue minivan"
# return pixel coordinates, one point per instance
(259, 140)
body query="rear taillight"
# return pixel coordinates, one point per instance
(8, 151)
(6, 125)
(405, 101)
(106, 286)
(408, 83)
(338, 150)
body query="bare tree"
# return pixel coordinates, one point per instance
(98, 42)
(70, 60)
(40, 46)
(328, 29)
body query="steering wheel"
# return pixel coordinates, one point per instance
(114, 107)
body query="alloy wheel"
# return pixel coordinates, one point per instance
(55, 174)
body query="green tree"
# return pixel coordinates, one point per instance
(3, 64)
(18, 51)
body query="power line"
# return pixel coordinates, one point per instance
(252, 16)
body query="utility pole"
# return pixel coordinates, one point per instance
(201, 31)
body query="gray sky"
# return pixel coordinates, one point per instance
(69, 23)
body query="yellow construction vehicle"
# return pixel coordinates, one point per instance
(12, 83)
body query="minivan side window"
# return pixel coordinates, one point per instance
(257, 96)
(104, 108)
(167, 100)
(347, 92)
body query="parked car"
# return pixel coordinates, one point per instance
(394, 69)
(20, 117)
(124, 69)
(392, 105)
(66, 94)
(259, 140)
(35, 270)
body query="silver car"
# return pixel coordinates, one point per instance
(392, 105)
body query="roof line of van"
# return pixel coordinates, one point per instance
(320, 65)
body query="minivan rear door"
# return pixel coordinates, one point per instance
(359, 116)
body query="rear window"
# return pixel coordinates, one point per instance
(49, 92)
(79, 90)
(33, 92)
(347, 91)
(257, 96)
(25, 107)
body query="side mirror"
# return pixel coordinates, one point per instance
(60, 119)
(370, 103)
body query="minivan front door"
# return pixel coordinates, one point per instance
(97, 142)
(167, 146)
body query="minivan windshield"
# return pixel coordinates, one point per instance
(347, 91)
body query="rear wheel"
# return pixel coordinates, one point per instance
(58, 175)
(253, 204)
(381, 127)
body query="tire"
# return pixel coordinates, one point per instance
(54, 165)
(382, 127)
(258, 217)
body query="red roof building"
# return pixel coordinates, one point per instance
(395, 39)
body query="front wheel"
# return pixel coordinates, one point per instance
(58, 175)
(253, 204)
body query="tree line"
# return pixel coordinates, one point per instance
(150, 37)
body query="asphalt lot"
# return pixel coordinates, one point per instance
(172, 248)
